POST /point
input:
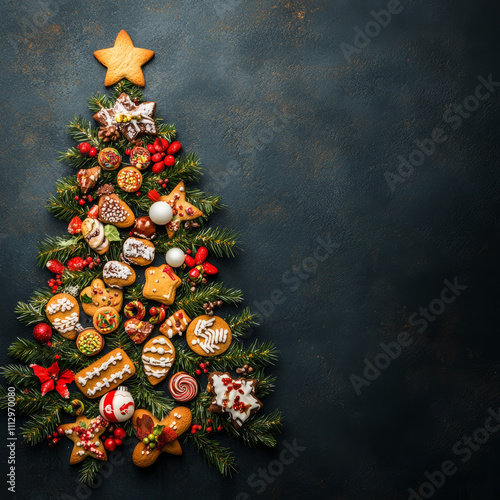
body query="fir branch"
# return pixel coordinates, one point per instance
(19, 376)
(57, 247)
(134, 292)
(265, 385)
(256, 355)
(134, 91)
(33, 311)
(185, 359)
(193, 303)
(166, 131)
(74, 158)
(81, 130)
(98, 101)
(41, 424)
(207, 203)
(89, 470)
(81, 279)
(63, 205)
(240, 323)
(214, 453)
(258, 430)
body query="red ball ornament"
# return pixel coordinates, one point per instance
(85, 148)
(110, 444)
(120, 433)
(42, 332)
(117, 405)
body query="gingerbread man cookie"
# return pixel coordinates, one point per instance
(99, 295)
(165, 434)
(63, 312)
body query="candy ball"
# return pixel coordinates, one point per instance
(117, 406)
(175, 257)
(160, 212)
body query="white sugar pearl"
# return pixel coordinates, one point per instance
(160, 212)
(175, 257)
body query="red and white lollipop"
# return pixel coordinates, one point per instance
(183, 387)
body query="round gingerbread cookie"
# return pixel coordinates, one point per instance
(138, 251)
(63, 312)
(208, 335)
(89, 342)
(140, 158)
(106, 320)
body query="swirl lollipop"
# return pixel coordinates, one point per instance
(183, 387)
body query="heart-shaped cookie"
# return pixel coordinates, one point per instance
(63, 312)
(99, 295)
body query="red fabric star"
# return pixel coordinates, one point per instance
(51, 379)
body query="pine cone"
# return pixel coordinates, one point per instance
(108, 134)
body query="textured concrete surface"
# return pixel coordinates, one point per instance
(299, 120)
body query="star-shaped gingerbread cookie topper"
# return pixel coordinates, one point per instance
(86, 433)
(166, 433)
(161, 284)
(181, 209)
(123, 60)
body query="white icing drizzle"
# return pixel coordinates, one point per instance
(209, 339)
(133, 248)
(158, 350)
(66, 324)
(158, 367)
(116, 270)
(61, 305)
(112, 379)
(154, 373)
(160, 340)
(163, 362)
(247, 398)
(98, 369)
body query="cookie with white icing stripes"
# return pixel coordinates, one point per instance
(158, 356)
(63, 312)
(208, 335)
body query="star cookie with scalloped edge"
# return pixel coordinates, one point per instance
(123, 60)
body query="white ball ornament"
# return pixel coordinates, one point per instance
(160, 213)
(175, 257)
(117, 406)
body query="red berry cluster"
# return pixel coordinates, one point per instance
(204, 367)
(78, 264)
(162, 154)
(163, 182)
(86, 149)
(84, 199)
(55, 437)
(198, 427)
(116, 437)
(54, 284)
(199, 267)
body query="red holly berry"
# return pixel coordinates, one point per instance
(189, 261)
(81, 202)
(42, 332)
(219, 428)
(93, 212)
(75, 225)
(194, 273)
(175, 147)
(127, 152)
(156, 157)
(169, 161)
(158, 167)
(92, 152)
(164, 144)
(118, 442)
(90, 199)
(198, 372)
(120, 433)
(201, 255)
(151, 149)
(110, 444)
(209, 420)
(209, 429)
(209, 268)
(85, 148)
(54, 266)
(188, 251)
(77, 197)
(75, 264)
(202, 365)
(57, 356)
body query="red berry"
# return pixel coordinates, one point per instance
(160, 181)
(138, 193)
(85, 148)
(110, 444)
(175, 147)
(219, 428)
(209, 429)
(120, 433)
(158, 167)
(98, 260)
(49, 344)
(77, 198)
(76, 264)
(92, 152)
(207, 363)
(209, 268)
(118, 442)
(169, 160)
(89, 259)
(151, 149)
(164, 144)
(158, 145)
(42, 332)
(127, 152)
(205, 370)
(163, 185)
(198, 372)
(198, 426)
(57, 356)
(209, 420)
(156, 158)
(202, 365)
(81, 202)
(90, 199)
(153, 311)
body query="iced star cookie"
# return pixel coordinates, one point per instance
(158, 356)
(63, 312)
(161, 284)
(208, 335)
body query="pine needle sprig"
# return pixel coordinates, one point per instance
(33, 311)
(98, 101)
(134, 292)
(88, 471)
(186, 168)
(75, 159)
(63, 205)
(165, 130)
(81, 279)
(61, 248)
(241, 322)
(134, 91)
(207, 203)
(214, 453)
(265, 385)
(19, 376)
(185, 359)
(41, 424)
(256, 355)
(81, 130)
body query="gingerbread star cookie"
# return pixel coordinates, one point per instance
(161, 284)
(123, 60)
(86, 433)
(182, 210)
(166, 433)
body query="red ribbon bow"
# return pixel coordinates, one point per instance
(51, 379)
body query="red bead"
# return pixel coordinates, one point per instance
(169, 160)
(198, 372)
(175, 147)
(92, 152)
(110, 444)
(120, 433)
(151, 149)
(194, 273)
(209, 429)
(85, 148)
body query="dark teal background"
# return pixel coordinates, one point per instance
(298, 140)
